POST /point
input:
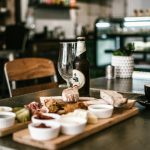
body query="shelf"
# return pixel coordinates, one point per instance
(3, 12)
(130, 34)
(112, 35)
(46, 6)
(135, 52)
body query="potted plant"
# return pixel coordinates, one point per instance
(123, 61)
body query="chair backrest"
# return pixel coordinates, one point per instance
(29, 68)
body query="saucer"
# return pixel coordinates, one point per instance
(143, 101)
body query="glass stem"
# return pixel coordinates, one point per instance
(68, 83)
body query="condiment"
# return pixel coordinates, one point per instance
(4, 116)
(44, 117)
(42, 125)
(99, 108)
(81, 68)
(5, 109)
(110, 72)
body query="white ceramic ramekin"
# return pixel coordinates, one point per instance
(7, 119)
(72, 125)
(5, 109)
(101, 110)
(35, 120)
(41, 134)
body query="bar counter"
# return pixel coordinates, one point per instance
(130, 134)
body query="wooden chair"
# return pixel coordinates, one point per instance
(29, 68)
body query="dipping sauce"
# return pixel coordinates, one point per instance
(4, 116)
(44, 117)
(42, 125)
(5, 109)
(98, 107)
(7, 119)
(101, 110)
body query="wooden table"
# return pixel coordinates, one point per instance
(127, 135)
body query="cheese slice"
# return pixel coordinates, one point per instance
(92, 119)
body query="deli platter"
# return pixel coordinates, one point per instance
(61, 141)
(57, 121)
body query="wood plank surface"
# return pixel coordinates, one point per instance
(24, 137)
(12, 129)
(29, 68)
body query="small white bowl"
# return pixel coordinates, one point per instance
(36, 120)
(7, 119)
(41, 134)
(101, 110)
(72, 125)
(5, 109)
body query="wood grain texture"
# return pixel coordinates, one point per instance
(12, 129)
(24, 137)
(30, 68)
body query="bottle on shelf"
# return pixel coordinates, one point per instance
(66, 2)
(81, 68)
(72, 3)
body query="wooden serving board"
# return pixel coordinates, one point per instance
(12, 129)
(24, 137)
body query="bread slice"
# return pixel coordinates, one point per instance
(113, 98)
(130, 104)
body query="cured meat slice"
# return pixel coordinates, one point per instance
(70, 94)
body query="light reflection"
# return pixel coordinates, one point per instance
(102, 24)
(136, 24)
(131, 19)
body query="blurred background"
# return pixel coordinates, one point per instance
(34, 28)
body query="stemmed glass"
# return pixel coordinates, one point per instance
(65, 61)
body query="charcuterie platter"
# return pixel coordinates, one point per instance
(58, 121)
(61, 141)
